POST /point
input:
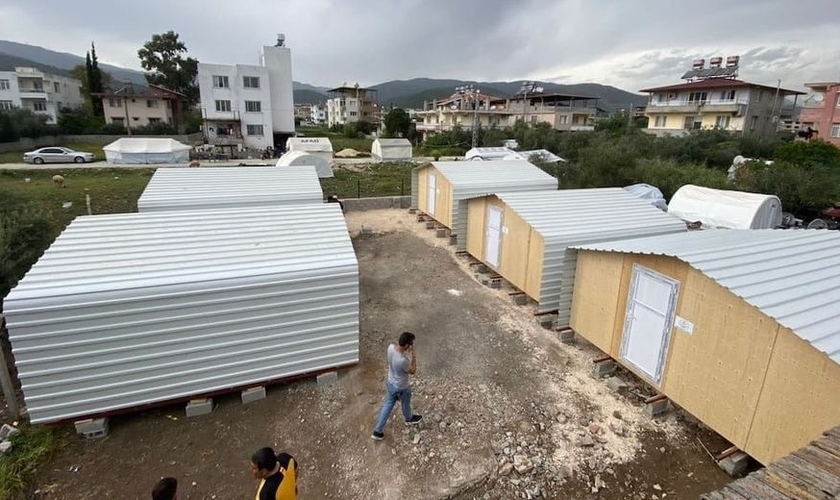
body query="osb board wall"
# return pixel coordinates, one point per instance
(476, 216)
(423, 189)
(800, 400)
(716, 372)
(516, 244)
(595, 297)
(443, 199)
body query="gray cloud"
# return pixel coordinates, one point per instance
(632, 44)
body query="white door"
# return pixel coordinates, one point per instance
(431, 196)
(493, 235)
(651, 306)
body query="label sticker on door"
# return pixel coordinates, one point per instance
(504, 230)
(684, 325)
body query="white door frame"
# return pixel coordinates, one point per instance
(662, 319)
(431, 193)
(490, 231)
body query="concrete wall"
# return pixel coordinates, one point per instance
(384, 202)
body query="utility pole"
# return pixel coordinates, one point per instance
(475, 118)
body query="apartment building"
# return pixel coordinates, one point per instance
(319, 114)
(42, 93)
(249, 105)
(713, 97)
(821, 111)
(349, 104)
(135, 105)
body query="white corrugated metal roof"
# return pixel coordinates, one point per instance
(128, 309)
(492, 174)
(792, 276)
(197, 188)
(393, 142)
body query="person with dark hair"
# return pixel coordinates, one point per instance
(334, 199)
(277, 475)
(397, 385)
(165, 489)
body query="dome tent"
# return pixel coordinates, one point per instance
(146, 150)
(302, 158)
(726, 209)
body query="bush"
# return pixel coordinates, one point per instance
(159, 128)
(24, 234)
(669, 175)
(811, 154)
(77, 121)
(800, 188)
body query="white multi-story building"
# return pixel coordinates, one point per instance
(319, 114)
(40, 92)
(249, 105)
(352, 104)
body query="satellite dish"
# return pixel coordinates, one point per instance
(817, 224)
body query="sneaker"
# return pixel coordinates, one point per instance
(416, 419)
(378, 436)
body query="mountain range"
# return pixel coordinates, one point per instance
(400, 93)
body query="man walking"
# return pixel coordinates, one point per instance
(397, 386)
(277, 475)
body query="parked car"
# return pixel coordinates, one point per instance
(57, 155)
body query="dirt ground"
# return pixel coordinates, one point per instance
(510, 412)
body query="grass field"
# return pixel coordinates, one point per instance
(364, 181)
(88, 147)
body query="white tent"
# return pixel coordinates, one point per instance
(542, 154)
(391, 149)
(146, 150)
(649, 193)
(726, 209)
(301, 158)
(318, 146)
(479, 154)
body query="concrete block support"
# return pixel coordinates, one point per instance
(431, 224)
(736, 464)
(547, 321)
(5, 447)
(327, 378)
(412, 211)
(198, 407)
(7, 431)
(657, 408)
(616, 385)
(92, 428)
(519, 299)
(604, 368)
(441, 233)
(453, 240)
(253, 394)
(567, 336)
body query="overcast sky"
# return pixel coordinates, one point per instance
(631, 44)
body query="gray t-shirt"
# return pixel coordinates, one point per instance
(398, 365)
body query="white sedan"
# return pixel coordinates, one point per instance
(57, 155)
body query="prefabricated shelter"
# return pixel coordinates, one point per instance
(649, 193)
(322, 166)
(146, 151)
(319, 146)
(128, 310)
(541, 154)
(391, 149)
(525, 236)
(738, 327)
(438, 187)
(219, 187)
(487, 154)
(726, 209)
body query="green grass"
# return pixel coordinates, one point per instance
(31, 449)
(88, 147)
(339, 141)
(111, 190)
(377, 179)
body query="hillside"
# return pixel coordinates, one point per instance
(304, 96)
(9, 63)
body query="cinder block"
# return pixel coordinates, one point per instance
(253, 394)
(481, 268)
(412, 210)
(7, 431)
(441, 233)
(616, 384)
(421, 218)
(92, 428)
(495, 283)
(603, 368)
(519, 299)
(567, 337)
(736, 464)
(198, 407)
(453, 239)
(431, 224)
(547, 321)
(327, 378)
(657, 408)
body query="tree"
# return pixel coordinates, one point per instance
(95, 83)
(397, 123)
(164, 59)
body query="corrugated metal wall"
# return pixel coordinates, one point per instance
(228, 187)
(124, 310)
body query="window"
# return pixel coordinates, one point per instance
(39, 106)
(688, 123)
(758, 96)
(223, 106)
(722, 122)
(697, 97)
(253, 106)
(838, 95)
(118, 120)
(251, 82)
(4, 85)
(154, 120)
(660, 121)
(6, 105)
(353, 113)
(564, 119)
(115, 102)
(753, 121)
(254, 129)
(220, 82)
(727, 95)
(835, 130)
(57, 87)
(135, 118)
(151, 103)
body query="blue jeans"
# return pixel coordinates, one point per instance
(392, 395)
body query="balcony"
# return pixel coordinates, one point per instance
(707, 106)
(582, 128)
(33, 94)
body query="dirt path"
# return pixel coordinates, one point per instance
(509, 411)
